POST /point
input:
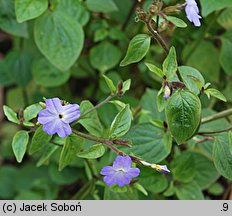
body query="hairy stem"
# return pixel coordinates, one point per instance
(94, 108)
(213, 132)
(216, 116)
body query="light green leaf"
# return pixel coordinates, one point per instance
(109, 83)
(170, 64)
(91, 121)
(216, 189)
(177, 22)
(192, 78)
(59, 38)
(47, 75)
(155, 70)
(149, 142)
(100, 34)
(140, 188)
(39, 139)
(31, 112)
(183, 114)
(222, 157)
(137, 49)
(29, 9)
(213, 5)
(101, 6)
(130, 194)
(161, 101)
(93, 152)
(10, 114)
(126, 86)
(19, 144)
(189, 191)
(225, 19)
(73, 144)
(215, 93)
(121, 123)
(100, 58)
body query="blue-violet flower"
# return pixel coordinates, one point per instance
(120, 173)
(192, 12)
(57, 117)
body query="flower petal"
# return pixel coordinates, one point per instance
(71, 113)
(109, 180)
(133, 172)
(54, 105)
(108, 170)
(51, 127)
(122, 179)
(63, 129)
(122, 162)
(45, 116)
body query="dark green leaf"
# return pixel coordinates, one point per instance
(101, 6)
(183, 114)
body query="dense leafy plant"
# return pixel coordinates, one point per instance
(149, 75)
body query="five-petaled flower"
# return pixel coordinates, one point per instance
(120, 173)
(57, 117)
(192, 12)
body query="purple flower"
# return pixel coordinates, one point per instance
(121, 172)
(192, 12)
(56, 117)
(167, 92)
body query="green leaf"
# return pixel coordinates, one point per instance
(109, 83)
(230, 141)
(205, 174)
(126, 86)
(100, 34)
(100, 58)
(192, 79)
(74, 9)
(183, 114)
(8, 21)
(213, 5)
(39, 140)
(215, 93)
(59, 38)
(19, 144)
(189, 191)
(121, 123)
(130, 194)
(222, 157)
(161, 101)
(198, 58)
(6, 77)
(152, 181)
(225, 19)
(101, 6)
(183, 168)
(155, 70)
(177, 22)
(47, 75)
(225, 53)
(149, 142)
(137, 49)
(91, 121)
(29, 9)
(170, 64)
(216, 189)
(140, 188)
(93, 152)
(10, 114)
(31, 112)
(73, 144)
(48, 151)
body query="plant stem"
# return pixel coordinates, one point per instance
(94, 108)
(156, 35)
(213, 132)
(216, 116)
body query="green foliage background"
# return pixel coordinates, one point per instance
(63, 48)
